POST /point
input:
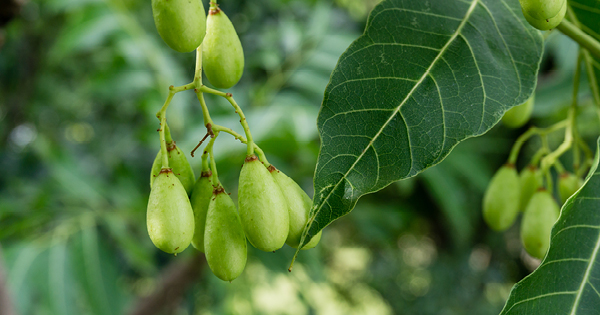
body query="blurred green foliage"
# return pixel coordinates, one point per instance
(80, 83)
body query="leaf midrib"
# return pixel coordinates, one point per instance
(425, 74)
(586, 276)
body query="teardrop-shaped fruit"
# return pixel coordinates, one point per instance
(169, 217)
(501, 199)
(180, 23)
(201, 195)
(299, 205)
(519, 115)
(542, 9)
(568, 184)
(178, 163)
(530, 181)
(222, 53)
(539, 217)
(224, 239)
(263, 209)
(549, 23)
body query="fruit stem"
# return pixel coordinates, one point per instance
(213, 164)
(198, 84)
(589, 155)
(560, 169)
(576, 152)
(198, 68)
(205, 166)
(570, 133)
(259, 151)
(551, 158)
(229, 97)
(168, 138)
(514, 153)
(586, 41)
(549, 182)
(538, 156)
(162, 117)
(589, 65)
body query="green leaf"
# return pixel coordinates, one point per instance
(424, 76)
(97, 270)
(59, 291)
(567, 281)
(586, 15)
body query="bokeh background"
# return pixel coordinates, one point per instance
(80, 84)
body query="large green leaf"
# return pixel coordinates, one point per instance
(586, 15)
(424, 76)
(568, 279)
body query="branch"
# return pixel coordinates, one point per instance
(174, 282)
(6, 307)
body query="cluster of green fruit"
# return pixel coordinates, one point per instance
(183, 25)
(544, 14)
(510, 193)
(273, 211)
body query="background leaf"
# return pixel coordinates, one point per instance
(567, 281)
(422, 78)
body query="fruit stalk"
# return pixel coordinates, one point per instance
(576, 152)
(199, 89)
(198, 84)
(551, 158)
(168, 138)
(162, 117)
(205, 167)
(538, 156)
(586, 41)
(243, 122)
(514, 153)
(237, 136)
(589, 67)
(213, 164)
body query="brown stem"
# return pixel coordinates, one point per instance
(174, 282)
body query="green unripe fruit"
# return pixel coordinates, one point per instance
(530, 181)
(178, 163)
(224, 239)
(222, 53)
(263, 209)
(180, 23)
(546, 24)
(169, 217)
(539, 217)
(501, 199)
(299, 205)
(542, 9)
(518, 115)
(201, 196)
(568, 184)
